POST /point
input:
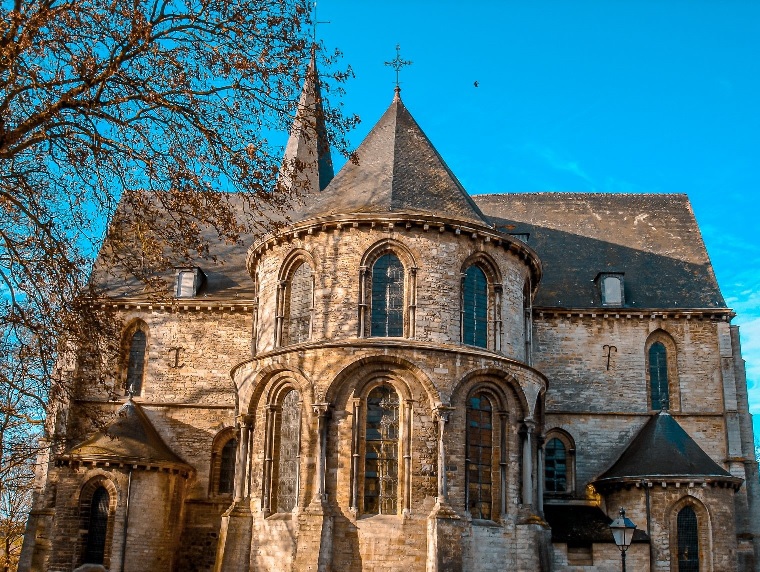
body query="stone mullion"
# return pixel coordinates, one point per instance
(312, 307)
(355, 438)
(362, 300)
(255, 328)
(298, 455)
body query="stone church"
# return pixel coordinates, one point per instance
(407, 377)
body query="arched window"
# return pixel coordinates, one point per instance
(96, 525)
(555, 466)
(299, 307)
(658, 376)
(227, 467)
(136, 363)
(475, 307)
(479, 456)
(285, 491)
(387, 297)
(381, 468)
(688, 540)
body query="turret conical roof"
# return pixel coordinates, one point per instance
(398, 171)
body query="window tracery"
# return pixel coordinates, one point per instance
(381, 467)
(475, 307)
(387, 318)
(479, 456)
(288, 453)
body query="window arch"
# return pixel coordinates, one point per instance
(223, 461)
(381, 451)
(559, 464)
(136, 354)
(387, 316)
(479, 456)
(283, 451)
(688, 540)
(661, 372)
(475, 307)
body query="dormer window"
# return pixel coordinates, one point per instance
(611, 288)
(189, 281)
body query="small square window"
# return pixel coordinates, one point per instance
(611, 288)
(189, 281)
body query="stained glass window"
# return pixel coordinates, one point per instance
(136, 364)
(227, 467)
(97, 526)
(288, 457)
(555, 466)
(688, 540)
(387, 297)
(475, 307)
(299, 306)
(658, 376)
(381, 454)
(479, 456)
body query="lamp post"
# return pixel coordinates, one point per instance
(622, 531)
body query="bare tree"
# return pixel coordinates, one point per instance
(176, 98)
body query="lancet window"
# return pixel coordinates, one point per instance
(475, 307)
(300, 304)
(688, 540)
(479, 456)
(136, 363)
(381, 458)
(658, 376)
(387, 318)
(227, 467)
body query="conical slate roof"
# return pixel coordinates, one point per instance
(307, 163)
(398, 171)
(129, 438)
(662, 450)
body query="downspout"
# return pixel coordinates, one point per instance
(126, 520)
(649, 524)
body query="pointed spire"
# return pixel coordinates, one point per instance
(307, 164)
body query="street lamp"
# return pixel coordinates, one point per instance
(622, 531)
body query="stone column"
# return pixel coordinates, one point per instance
(407, 444)
(355, 456)
(503, 419)
(498, 325)
(412, 301)
(442, 414)
(527, 476)
(321, 411)
(241, 466)
(540, 476)
(266, 484)
(280, 315)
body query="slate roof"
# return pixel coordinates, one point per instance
(579, 525)
(653, 239)
(130, 437)
(398, 171)
(662, 450)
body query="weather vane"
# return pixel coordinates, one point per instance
(317, 21)
(397, 64)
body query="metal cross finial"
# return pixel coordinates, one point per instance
(317, 21)
(397, 64)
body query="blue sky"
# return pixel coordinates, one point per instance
(589, 96)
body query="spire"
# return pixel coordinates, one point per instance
(307, 164)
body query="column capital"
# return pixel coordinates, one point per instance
(246, 420)
(320, 409)
(442, 412)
